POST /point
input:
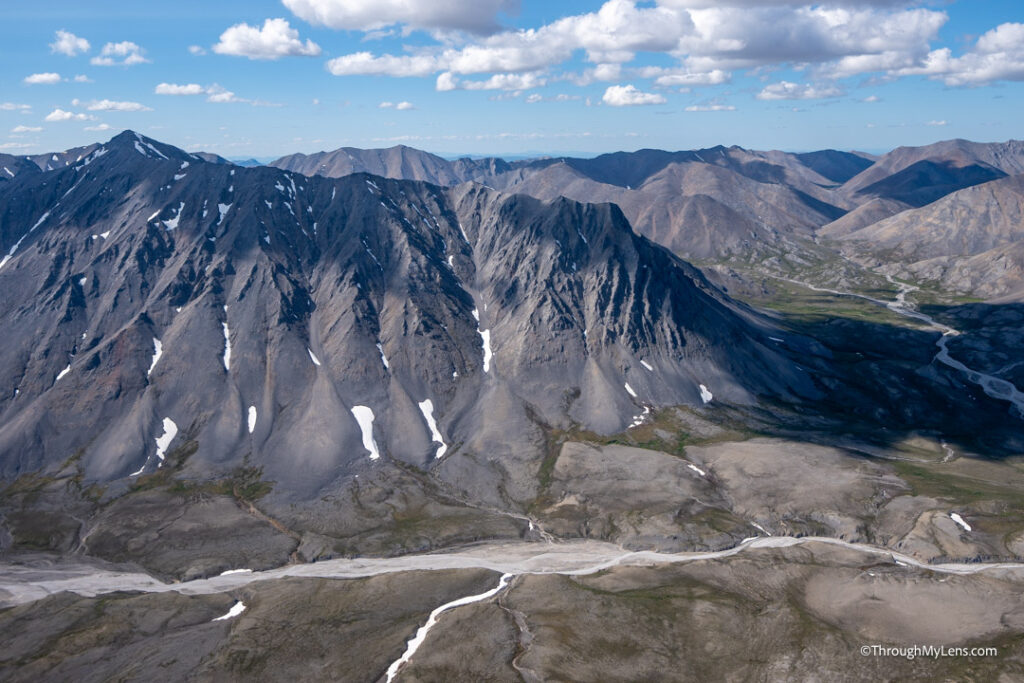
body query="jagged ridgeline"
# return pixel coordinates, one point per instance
(156, 302)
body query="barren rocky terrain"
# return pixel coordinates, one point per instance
(338, 426)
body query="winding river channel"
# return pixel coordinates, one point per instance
(21, 584)
(994, 387)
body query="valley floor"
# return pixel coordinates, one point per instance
(772, 608)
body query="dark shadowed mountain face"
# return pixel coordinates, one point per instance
(217, 159)
(55, 160)
(835, 165)
(923, 182)
(971, 241)
(318, 328)
(919, 175)
(11, 166)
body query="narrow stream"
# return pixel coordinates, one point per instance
(421, 633)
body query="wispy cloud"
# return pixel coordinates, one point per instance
(214, 93)
(711, 107)
(787, 90)
(176, 89)
(476, 16)
(524, 81)
(111, 105)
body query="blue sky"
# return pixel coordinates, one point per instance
(264, 78)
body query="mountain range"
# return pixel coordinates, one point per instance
(731, 204)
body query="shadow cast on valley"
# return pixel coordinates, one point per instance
(883, 384)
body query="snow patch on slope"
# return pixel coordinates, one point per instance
(364, 416)
(165, 439)
(158, 350)
(427, 408)
(235, 610)
(960, 520)
(486, 336)
(172, 223)
(227, 346)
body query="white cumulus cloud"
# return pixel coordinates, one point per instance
(364, 63)
(100, 127)
(711, 107)
(48, 78)
(275, 40)
(14, 106)
(629, 95)
(62, 115)
(69, 44)
(998, 55)
(707, 40)
(125, 53)
(26, 129)
(477, 16)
